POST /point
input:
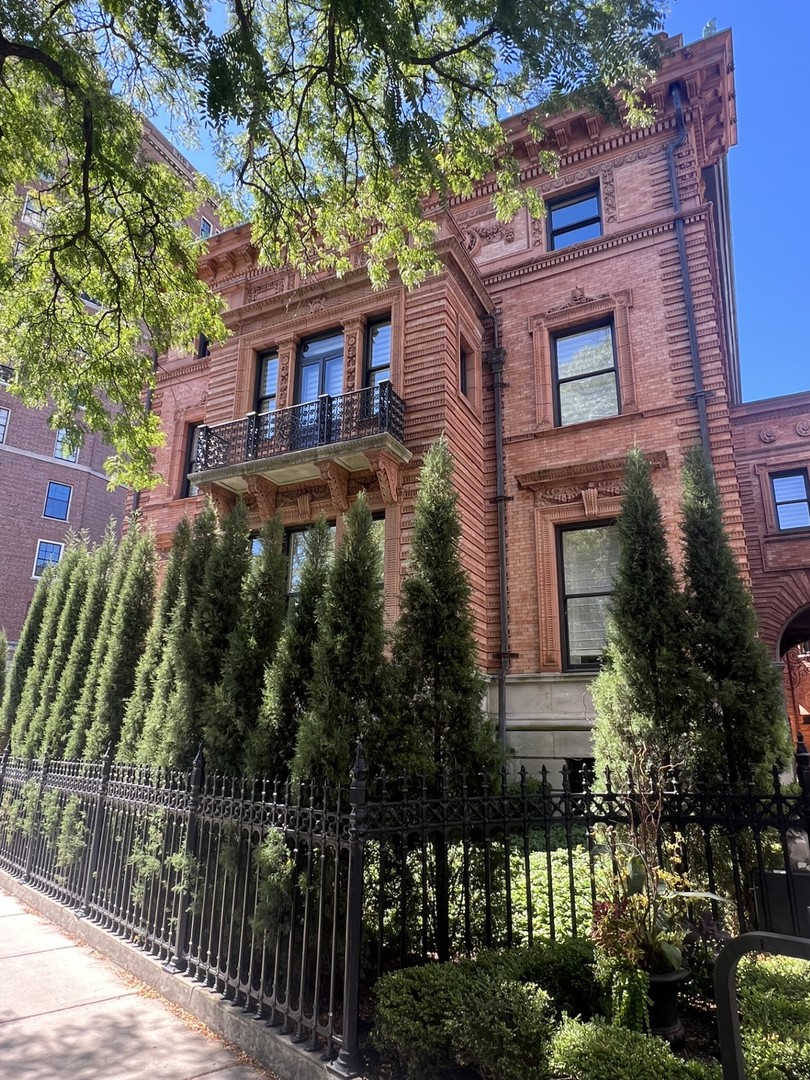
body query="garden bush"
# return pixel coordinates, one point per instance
(599, 1051)
(774, 1001)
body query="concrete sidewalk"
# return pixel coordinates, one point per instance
(67, 1013)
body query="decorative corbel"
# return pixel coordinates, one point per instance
(590, 500)
(265, 493)
(304, 500)
(594, 125)
(223, 500)
(337, 479)
(387, 470)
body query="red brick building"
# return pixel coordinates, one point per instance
(543, 350)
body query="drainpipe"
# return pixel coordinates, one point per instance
(496, 361)
(701, 394)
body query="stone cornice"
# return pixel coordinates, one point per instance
(583, 472)
(180, 370)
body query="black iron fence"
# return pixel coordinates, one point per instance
(291, 901)
(372, 411)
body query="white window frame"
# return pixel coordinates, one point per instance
(4, 426)
(52, 543)
(210, 224)
(50, 517)
(74, 457)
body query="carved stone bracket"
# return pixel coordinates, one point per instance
(387, 470)
(265, 493)
(304, 500)
(337, 479)
(223, 500)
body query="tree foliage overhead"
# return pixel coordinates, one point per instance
(328, 117)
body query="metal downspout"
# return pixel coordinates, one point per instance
(496, 361)
(680, 234)
(147, 408)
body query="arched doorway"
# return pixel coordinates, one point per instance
(794, 651)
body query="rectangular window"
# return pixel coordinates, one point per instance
(295, 542)
(574, 218)
(587, 558)
(320, 368)
(585, 378)
(267, 383)
(206, 228)
(60, 449)
(57, 501)
(202, 347)
(192, 439)
(791, 496)
(48, 554)
(6, 374)
(464, 371)
(32, 210)
(378, 352)
(4, 415)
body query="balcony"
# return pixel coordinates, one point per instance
(287, 444)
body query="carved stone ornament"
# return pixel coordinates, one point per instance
(265, 493)
(768, 435)
(223, 500)
(304, 500)
(498, 230)
(577, 299)
(803, 428)
(337, 480)
(387, 471)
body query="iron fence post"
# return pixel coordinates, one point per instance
(32, 835)
(349, 1061)
(95, 843)
(179, 960)
(251, 436)
(3, 762)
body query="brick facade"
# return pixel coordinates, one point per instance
(657, 274)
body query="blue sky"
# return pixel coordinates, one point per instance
(768, 179)
(769, 176)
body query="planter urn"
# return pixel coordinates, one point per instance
(664, 1019)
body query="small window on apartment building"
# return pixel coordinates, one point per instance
(585, 377)
(61, 450)
(464, 375)
(202, 347)
(48, 554)
(378, 352)
(4, 416)
(587, 559)
(32, 210)
(267, 382)
(57, 501)
(206, 228)
(574, 218)
(6, 374)
(791, 496)
(187, 489)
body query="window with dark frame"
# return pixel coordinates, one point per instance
(48, 554)
(378, 353)
(464, 371)
(4, 417)
(187, 489)
(295, 546)
(320, 367)
(57, 501)
(587, 556)
(60, 449)
(574, 218)
(791, 497)
(203, 349)
(267, 382)
(585, 374)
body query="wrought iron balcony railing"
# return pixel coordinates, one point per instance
(373, 411)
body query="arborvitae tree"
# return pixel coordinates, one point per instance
(74, 674)
(231, 710)
(146, 672)
(439, 690)
(740, 717)
(642, 695)
(84, 712)
(204, 538)
(63, 643)
(3, 663)
(350, 694)
(271, 746)
(22, 737)
(24, 655)
(124, 648)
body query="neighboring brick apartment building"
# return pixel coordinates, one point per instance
(543, 350)
(44, 492)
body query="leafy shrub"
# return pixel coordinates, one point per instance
(599, 1051)
(774, 1000)
(468, 1013)
(771, 1057)
(565, 969)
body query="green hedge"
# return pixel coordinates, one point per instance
(598, 1051)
